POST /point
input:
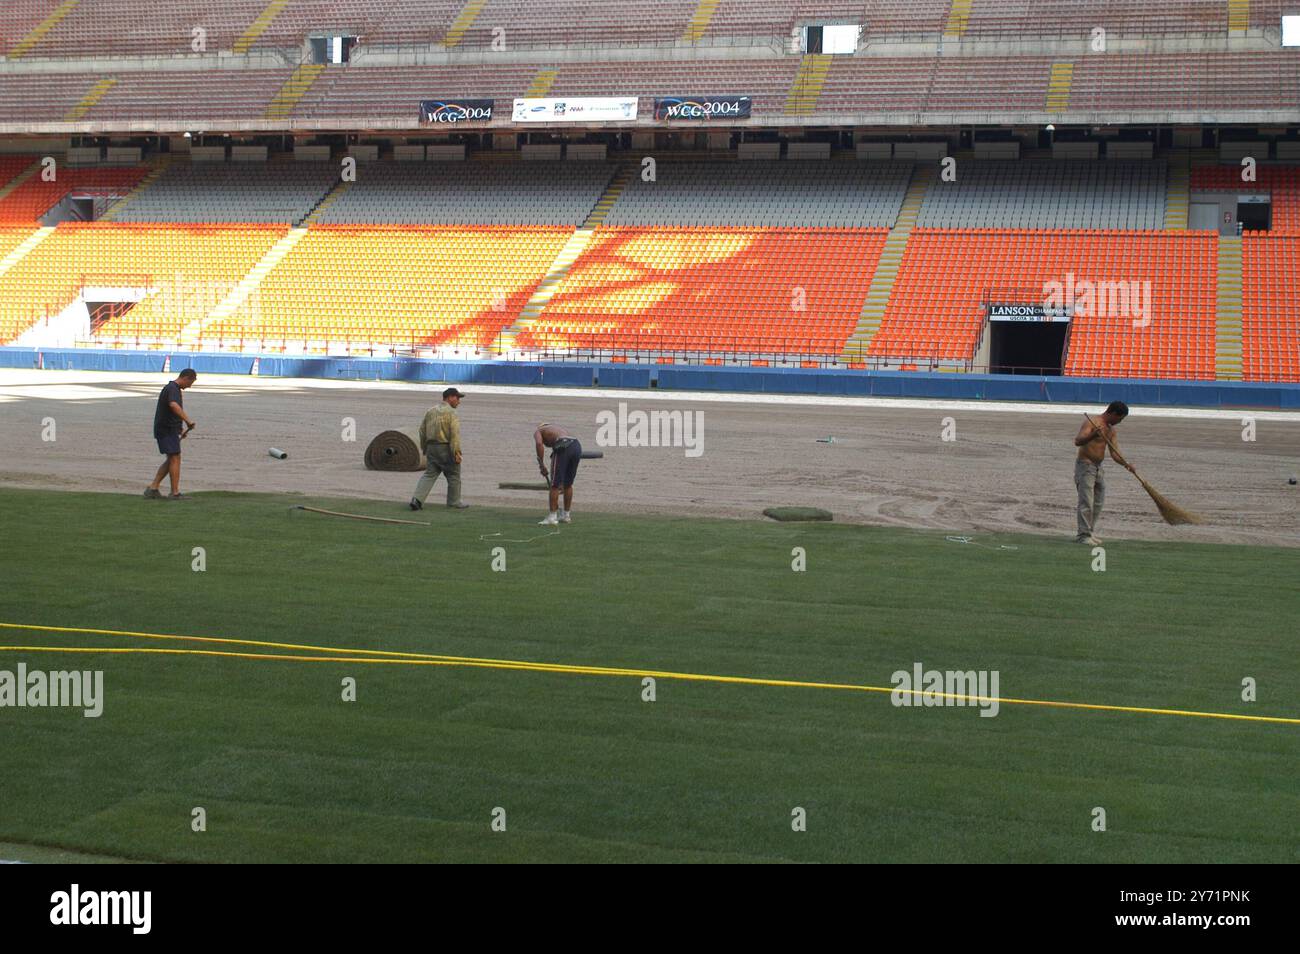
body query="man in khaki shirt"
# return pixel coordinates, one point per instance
(440, 438)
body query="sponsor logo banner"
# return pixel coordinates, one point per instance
(589, 109)
(702, 107)
(1013, 312)
(438, 112)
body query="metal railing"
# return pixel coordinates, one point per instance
(418, 347)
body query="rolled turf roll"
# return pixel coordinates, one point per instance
(513, 485)
(797, 514)
(592, 455)
(396, 451)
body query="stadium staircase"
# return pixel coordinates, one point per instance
(326, 201)
(542, 83)
(45, 26)
(808, 82)
(191, 334)
(17, 181)
(958, 19)
(259, 25)
(19, 253)
(607, 198)
(572, 250)
(160, 167)
(549, 285)
(93, 96)
(891, 260)
(1058, 87)
(1227, 331)
(1178, 197)
(1238, 17)
(304, 76)
(464, 20)
(700, 21)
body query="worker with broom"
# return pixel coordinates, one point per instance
(1092, 440)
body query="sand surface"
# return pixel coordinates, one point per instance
(1007, 470)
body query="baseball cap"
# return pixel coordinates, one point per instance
(451, 392)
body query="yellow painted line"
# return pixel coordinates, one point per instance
(377, 656)
(95, 94)
(294, 89)
(1058, 87)
(542, 84)
(42, 28)
(958, 18)
(259, 25)
(700, 20)
(1238, 15)
(460, 26)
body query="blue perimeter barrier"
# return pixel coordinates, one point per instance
(885, 384)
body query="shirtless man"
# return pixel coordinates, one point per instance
(1091, 441)
(566, 452)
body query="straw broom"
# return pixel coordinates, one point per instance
(1169, 511)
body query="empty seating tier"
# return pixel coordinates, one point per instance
(233, 192)
(1282, 182)
(1049, 195)
(412, 287)
(1270, 320)
(936, 311)
(813, 194)
(182, 272)
(35, 197)
(470, 193)
(738, 291)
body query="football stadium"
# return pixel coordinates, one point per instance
(650, 431)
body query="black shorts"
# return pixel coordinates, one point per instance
(169, 442)
(565, 456)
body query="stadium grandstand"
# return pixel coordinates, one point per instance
(1058, 187)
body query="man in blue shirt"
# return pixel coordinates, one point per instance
(168, 417)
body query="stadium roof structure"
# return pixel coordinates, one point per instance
(131, 66)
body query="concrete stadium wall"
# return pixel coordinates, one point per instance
(895, 384)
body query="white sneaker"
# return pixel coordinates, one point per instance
(550, 521)
(566, 519)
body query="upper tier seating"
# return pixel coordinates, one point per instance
(129, 27)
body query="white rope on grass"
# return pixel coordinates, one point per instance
(973, 542)
(488, 536)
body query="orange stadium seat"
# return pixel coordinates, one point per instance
(936, 309)
(779, 290)
(35, 197)
(1270, 320)
(1283, 182)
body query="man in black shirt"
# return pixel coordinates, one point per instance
(167, 420)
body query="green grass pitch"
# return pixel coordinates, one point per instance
(585, 770)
